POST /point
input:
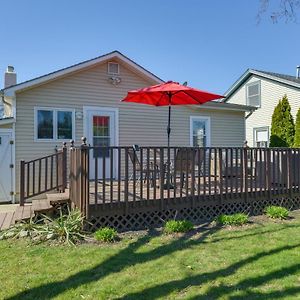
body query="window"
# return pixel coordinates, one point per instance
(45, 124)
(200, 131)
(261, 137)
(113, 68)
(54, 124)
(253, 94)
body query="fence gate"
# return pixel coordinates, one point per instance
(6, 172)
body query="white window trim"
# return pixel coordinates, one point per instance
(259, 92)
(208, 129)
(262, 128)
(112, 73)
(54, 110)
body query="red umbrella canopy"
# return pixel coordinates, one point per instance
(170, 93)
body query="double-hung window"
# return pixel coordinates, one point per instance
(54, 124)
(253, 94)
(200, 131)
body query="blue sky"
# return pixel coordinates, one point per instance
(207, 43)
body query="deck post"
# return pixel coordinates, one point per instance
(64, 167)
(84, 172)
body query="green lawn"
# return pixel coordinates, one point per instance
(258, 261)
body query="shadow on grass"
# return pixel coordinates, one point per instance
(128, 257)
(165, 289)
(124, 258)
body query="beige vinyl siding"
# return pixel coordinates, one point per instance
(138, 124)
(271, 93)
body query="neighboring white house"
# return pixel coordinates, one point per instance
(263, 90)
(42, 113)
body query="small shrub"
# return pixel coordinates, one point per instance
(276, 212)
(106, 234)
(173, 226)
(235, 219)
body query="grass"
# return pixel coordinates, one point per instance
(260, 261)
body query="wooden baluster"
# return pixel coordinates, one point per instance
(103, 150)
(28, 180)
(162, 177)
(126, 180)
(119, 173)
(96, 153)
(46, 174)
(111, 156)
(33, 177)
(141, 173)
(209, 171)
(22, 183)
(148, 173)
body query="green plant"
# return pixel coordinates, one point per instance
(283, 128)
(173, 226)
(67, 228)
(235, 219)
(276, 212)
(297, 130)
(106, 234)
(29, 228)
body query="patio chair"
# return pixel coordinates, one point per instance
(186, 160)
(143, 170)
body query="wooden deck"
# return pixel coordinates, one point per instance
(17, 214)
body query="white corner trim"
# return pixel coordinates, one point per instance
(208, 135)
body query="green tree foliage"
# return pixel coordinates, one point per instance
(297, 131)
(283, 128)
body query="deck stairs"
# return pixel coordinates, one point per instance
(23, 213)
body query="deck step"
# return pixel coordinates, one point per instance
(58, 197)
(42, 205)
(23, 212)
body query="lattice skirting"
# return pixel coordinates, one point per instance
(151, 219)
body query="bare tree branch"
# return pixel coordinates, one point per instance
(284, 10)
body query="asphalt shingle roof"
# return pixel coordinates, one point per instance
(281, 76)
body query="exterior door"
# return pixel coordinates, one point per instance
(102, 132)
(6, 172)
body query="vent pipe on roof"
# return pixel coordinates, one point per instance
(10, 77)
(298, 72)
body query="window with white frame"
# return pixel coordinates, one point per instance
(261, 137)
(54, 124)
(200, 131)
(253, 94)
(113, 68)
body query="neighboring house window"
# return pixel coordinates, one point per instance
(253, 94)
(261, 137)
(54, 124)
(113, 68)
(200, 131)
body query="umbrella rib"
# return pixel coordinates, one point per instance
(161, 97)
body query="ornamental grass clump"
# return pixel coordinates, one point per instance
(106, 234)
(237, 219)
(276, 212)
(66, 229)
(174, 226)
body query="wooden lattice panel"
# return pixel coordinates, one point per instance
(196, 215)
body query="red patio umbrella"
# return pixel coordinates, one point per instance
(167, 94)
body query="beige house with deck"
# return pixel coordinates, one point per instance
(263, 90)
(84, 100)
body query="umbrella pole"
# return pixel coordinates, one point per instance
(169, 126)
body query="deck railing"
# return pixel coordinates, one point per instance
(43, 174)
(103, 177)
